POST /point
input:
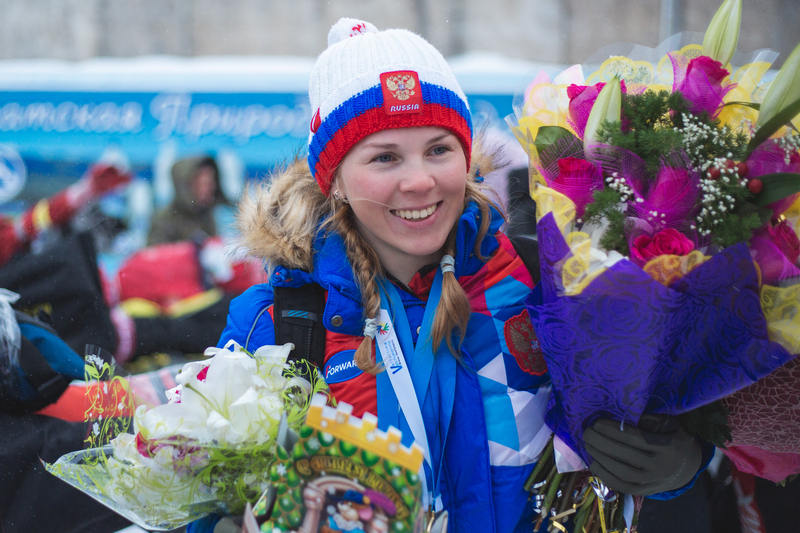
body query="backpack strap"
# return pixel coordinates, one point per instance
(47, 383)
(297, 314)
(528, 250)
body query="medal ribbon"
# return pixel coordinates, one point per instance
(416, 393)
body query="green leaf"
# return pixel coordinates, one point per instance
(777, 187)
(746, 208)
(783, 117)
(708, 422)
(752, 105)
(547, 143)
(548, 135)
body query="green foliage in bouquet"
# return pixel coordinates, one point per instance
(650, 128)
(606, 206)
(709, 423)
(658, 124)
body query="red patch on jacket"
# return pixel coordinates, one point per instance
(524, 345)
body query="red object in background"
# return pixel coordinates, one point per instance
(163, 274)
(246, 273)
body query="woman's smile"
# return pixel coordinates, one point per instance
(415, 214)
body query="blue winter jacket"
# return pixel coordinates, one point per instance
(499, 388)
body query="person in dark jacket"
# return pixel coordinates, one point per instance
(190, 215)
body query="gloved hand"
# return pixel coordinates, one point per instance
(655, 456)
(103, 178)
(97, 181)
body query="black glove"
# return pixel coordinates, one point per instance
(656, 456)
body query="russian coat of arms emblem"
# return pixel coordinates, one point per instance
(401, 86)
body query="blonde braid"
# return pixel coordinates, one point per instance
(455, 309)
(367, 270)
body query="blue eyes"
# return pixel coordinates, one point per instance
(436, 150)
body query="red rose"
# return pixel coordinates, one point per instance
(666, 242)
(577, 179)
(572, 166)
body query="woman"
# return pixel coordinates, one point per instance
(389, 217)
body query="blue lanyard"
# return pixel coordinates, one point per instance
(433, 377)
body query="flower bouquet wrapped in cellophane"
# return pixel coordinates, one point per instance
(208, 449)
(666, 183)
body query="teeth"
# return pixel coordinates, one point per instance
(415, 214)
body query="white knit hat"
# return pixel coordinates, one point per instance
(369, 80)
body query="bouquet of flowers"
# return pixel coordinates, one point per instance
(209, 448)
(666, 186)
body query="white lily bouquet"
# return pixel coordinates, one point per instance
(209, 449)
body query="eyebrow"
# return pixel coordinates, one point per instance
(392, 146)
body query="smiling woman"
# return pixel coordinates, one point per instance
(388, 216)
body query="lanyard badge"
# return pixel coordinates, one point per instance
(409, 389)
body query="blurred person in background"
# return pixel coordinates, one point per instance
(190, 215)
(59, 210)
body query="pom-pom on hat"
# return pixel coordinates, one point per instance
(369, 80)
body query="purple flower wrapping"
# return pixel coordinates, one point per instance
(628, 345)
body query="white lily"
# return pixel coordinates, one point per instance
(784, 90)
(722, 34)
(607, 108)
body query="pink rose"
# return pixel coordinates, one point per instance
(701, 84)
(577, 179)
(674, 193)
(666, 242)
(783, 236)
(581, 100)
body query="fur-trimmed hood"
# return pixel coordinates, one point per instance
(278, 221)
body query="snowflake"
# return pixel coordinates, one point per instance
(371, 436)
(281, 469)
(313, 443)
(395, 471)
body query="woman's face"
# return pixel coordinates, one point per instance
(406, 187)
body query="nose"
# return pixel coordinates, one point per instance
(417, 177)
